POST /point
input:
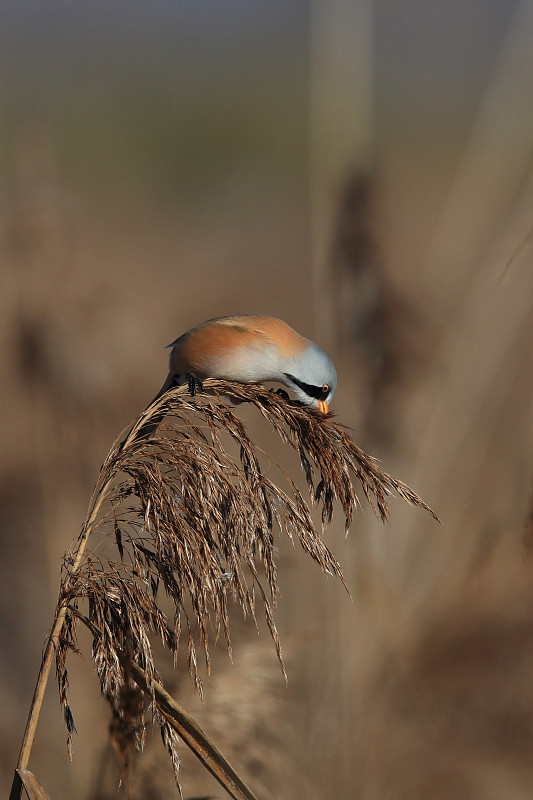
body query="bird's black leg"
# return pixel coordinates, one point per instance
(195, 384)
(282, 393)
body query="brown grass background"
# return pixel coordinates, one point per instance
(362, 170)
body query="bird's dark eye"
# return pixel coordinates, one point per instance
(325, 388)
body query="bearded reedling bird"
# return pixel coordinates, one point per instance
(253, 349)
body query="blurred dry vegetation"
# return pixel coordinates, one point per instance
(164, 163)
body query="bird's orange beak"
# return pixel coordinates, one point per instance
(323, 406)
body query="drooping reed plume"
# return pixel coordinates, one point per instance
(182, 525)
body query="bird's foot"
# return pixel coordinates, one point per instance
(281, 392)
(195, 384)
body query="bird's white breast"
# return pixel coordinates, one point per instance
(250, 364)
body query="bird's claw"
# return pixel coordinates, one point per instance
(195, 384)
(281, 392)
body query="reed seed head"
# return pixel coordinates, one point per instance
(182, 525)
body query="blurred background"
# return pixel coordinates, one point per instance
(362, 170)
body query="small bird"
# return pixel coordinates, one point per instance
(253, 349)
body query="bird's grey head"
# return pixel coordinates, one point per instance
(312, 377)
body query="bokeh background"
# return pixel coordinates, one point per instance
(364, 171)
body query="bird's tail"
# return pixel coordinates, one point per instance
(149, 427)
(166, 386)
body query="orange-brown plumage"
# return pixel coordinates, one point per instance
(252, 349)
(202, 349)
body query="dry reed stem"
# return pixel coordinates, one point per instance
(189, 513)
(195, 738)
(53, 639)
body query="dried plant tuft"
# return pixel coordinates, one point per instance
(182, 524)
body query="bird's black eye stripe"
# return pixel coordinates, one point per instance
(313, 391)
